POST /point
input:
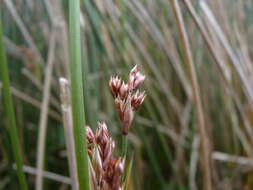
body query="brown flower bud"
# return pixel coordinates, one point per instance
(139, 79)
(127, 99)
(106, 171)
(126, 115)
(118, 104)
(90, 135)
(115, 84)
(90, 140)
(118, 171)
(108, 150)
(135, 78)
(123, 90)
(137, 99)
(97, 164)
(101, 134)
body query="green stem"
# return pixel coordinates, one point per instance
(12, 128)
(77, 95)
(124, 146)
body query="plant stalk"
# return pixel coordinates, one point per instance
(12, 127)
(124, 146)
(77, 95)
(206, 152)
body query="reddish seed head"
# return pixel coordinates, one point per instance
(118, 104)
(115, 171)
(123, 90)
(125, 111)
(102, 134)
(139, 79)
(90, 135)
(136, 79)
(137, 99)
(106, 171)
(97, 164)
(127, 115)
(115, 84)
(127, 99)
(108, 150)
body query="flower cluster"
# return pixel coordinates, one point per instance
(106, 171)
(127, 96)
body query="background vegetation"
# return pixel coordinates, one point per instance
(115, 35)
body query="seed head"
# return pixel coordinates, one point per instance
(136, 79)
(115, 84)
(126, 115)
(127, 97)
(123, 90)
(90, 139)
(114, 173)
(118, 104)
(137, 99)
(97, 164)
(125, 111)
(108, 151)
(102, 135)
(90, 135)
(106, 171)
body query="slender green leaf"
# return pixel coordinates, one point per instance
(10, 113)
(77, 94)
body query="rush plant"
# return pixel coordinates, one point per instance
(77, 94)
(9, 110)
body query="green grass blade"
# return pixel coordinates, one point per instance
(128, 174)
(12, 128)
(77, 94)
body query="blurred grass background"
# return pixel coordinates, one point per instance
(116, 35)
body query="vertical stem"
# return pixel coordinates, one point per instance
(196, 96)
(124, 146)
(44, 113)
(68, 130)
(77, 94)
(12, 128)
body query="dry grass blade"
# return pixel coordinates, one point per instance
(13, 50)
(23, 29)
(44, 114)
(223, 157)
(47, 174)
(53, 100)
(140, 12)
(204, 140)
(56, 13)
(30, 100)
(238, 66)
(220, 65)
(194, 163)
(68, 130)
(200, 25)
